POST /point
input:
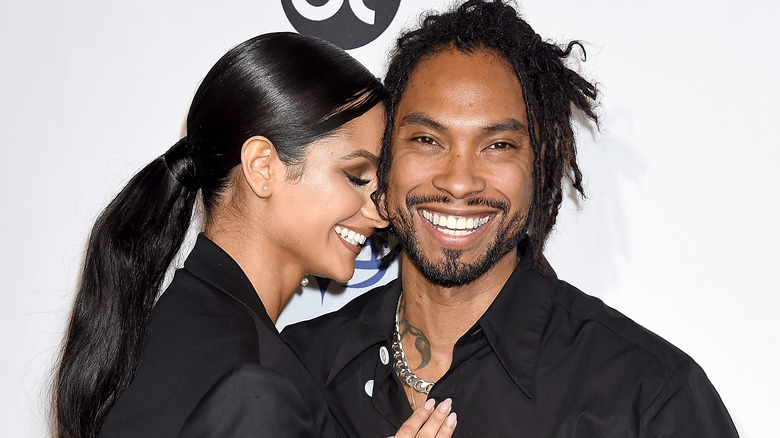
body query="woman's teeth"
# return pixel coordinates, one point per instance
(454, 225)
(350, 236)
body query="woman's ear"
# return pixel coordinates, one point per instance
(258, 164)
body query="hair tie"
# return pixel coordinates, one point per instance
(179, 163)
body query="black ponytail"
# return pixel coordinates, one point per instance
(289, 88)
(130, 247)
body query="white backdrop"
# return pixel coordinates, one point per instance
(679, 231)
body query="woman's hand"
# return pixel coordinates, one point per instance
(427, 422)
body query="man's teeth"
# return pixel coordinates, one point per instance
(454, 225)
(350, 236)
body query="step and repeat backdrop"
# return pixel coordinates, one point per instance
(679, 230)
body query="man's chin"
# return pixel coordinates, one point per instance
(446, 278)
(447, 267)
(450, 270)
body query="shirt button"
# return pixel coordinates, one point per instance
(384, 356)
(369, 388)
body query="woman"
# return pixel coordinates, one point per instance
(282, 139)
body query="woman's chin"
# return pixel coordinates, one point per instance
(343, 275)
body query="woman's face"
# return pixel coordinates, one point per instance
(327, 214)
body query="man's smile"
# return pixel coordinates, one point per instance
(455, 225)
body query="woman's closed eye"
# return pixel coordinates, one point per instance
(357, 180)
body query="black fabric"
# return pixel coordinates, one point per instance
(214, 366)
(545, 360)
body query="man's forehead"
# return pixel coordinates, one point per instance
(455, 88)
(452, 62)
(454, 77)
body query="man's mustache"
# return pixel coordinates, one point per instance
(498, 204)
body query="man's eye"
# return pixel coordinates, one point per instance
(425, 140)
(356, 180)
(501, 145)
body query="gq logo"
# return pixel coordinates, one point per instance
(345, 23)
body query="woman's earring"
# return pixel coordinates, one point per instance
(265, 188)
(305, 280)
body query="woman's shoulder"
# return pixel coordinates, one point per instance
(256, 400)
(194, 322)
(196, 334)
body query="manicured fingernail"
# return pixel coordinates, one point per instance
(452, 419)
(430, 404)
(445, 405)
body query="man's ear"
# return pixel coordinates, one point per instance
(258, 164)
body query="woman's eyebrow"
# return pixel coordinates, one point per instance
(361, 153)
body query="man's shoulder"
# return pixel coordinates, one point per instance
(340, 320)
(674, 395)
(610, 327)
(317, 341)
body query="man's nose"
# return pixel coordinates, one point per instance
(459, 176)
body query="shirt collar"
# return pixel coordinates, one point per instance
(513, 324)
(374, 325)
(213, 265)
(515, 321)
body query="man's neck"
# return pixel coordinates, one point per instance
(434, 317)
(451, 311)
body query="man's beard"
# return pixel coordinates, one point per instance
(450, 270)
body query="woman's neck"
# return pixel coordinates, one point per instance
(274, 282)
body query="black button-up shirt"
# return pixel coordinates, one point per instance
(213, 364)
(545, 360)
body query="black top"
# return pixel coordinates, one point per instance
(213, 364)
(545, 360)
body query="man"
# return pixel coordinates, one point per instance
(479, 140)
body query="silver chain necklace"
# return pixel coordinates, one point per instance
(401, 365)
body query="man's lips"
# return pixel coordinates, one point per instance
(456, 225)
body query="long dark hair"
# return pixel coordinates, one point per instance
(289, 88)
(550, 89)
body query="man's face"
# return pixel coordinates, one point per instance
(460, 181)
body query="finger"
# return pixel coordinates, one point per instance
(437, 420)
(411, 426)
(448, 428)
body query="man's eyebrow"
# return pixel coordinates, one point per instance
(506, 125)
(422, 119)
(361, 153)
(503, 126)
